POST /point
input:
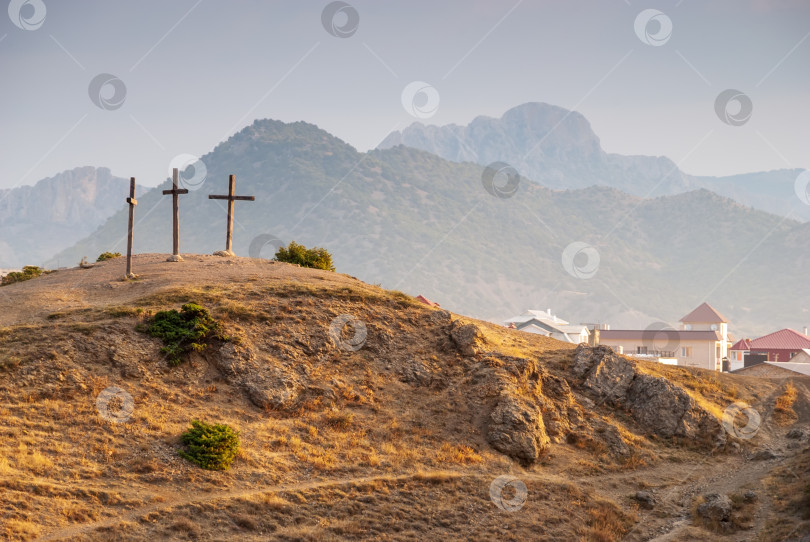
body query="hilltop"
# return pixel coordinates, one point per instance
(397, 436)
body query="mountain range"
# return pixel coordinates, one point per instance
(411, 220)
(38, 221)
(558, 149)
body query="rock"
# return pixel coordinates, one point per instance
(656, 404)
(416, 372)
(750, 496)
(606, 374)
(439, 317)
(517, 429)
(764, 455)
(234, 359)
(614, 441)
(645, 499)
(798, 433)
(275, 398)
(467, 338)
(716, 508)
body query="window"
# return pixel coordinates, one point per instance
(686, 351)
(641, 349)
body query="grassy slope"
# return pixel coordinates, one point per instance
(359, 454)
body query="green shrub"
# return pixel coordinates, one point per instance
(184, 331)
(316, 258)
(211, 446)
(28, 272)
(104, 256)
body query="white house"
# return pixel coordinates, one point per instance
(545, 323)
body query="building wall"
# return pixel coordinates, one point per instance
(704, 355)
(721, 327)
(703, 352)
(776, 354)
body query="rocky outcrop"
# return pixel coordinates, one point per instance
(645, 499)
(267, 387)
(467, 338)
(716, 508)
(656, 404)
(517, 429)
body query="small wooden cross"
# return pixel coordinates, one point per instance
(231, 198)
(132, 203)
(175, 192)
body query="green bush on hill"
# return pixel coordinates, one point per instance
(211, 446)
(28, 272)
(104, 256)
(184, 331)
(316, 258)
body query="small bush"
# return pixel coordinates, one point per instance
(316, 258)
(184, 331)
(211, 446)
(28, 272)
(104, 256)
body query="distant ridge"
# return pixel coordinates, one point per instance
(37, 221)
(557, 148)
(413, 221)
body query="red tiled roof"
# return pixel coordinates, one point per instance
(784, 339)
(705, 313)
(659, 334)
(742, 344)
(427, 301)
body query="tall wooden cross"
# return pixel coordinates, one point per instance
(132, 203)
(231, 198)
(175, 192)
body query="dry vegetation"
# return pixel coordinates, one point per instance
(387, 442)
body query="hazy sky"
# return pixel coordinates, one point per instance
(191, 73)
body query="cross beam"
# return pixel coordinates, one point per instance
(175, 192)
(132, 203)
(231, 197)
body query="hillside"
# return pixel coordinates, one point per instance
(412, 221)
(38, 221)
(398, 436)
(558, 148)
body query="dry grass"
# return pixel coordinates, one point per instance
(783, 412)
(361, 454)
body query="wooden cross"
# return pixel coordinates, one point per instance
(175, 257)
(132, 203)
(231, 198)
